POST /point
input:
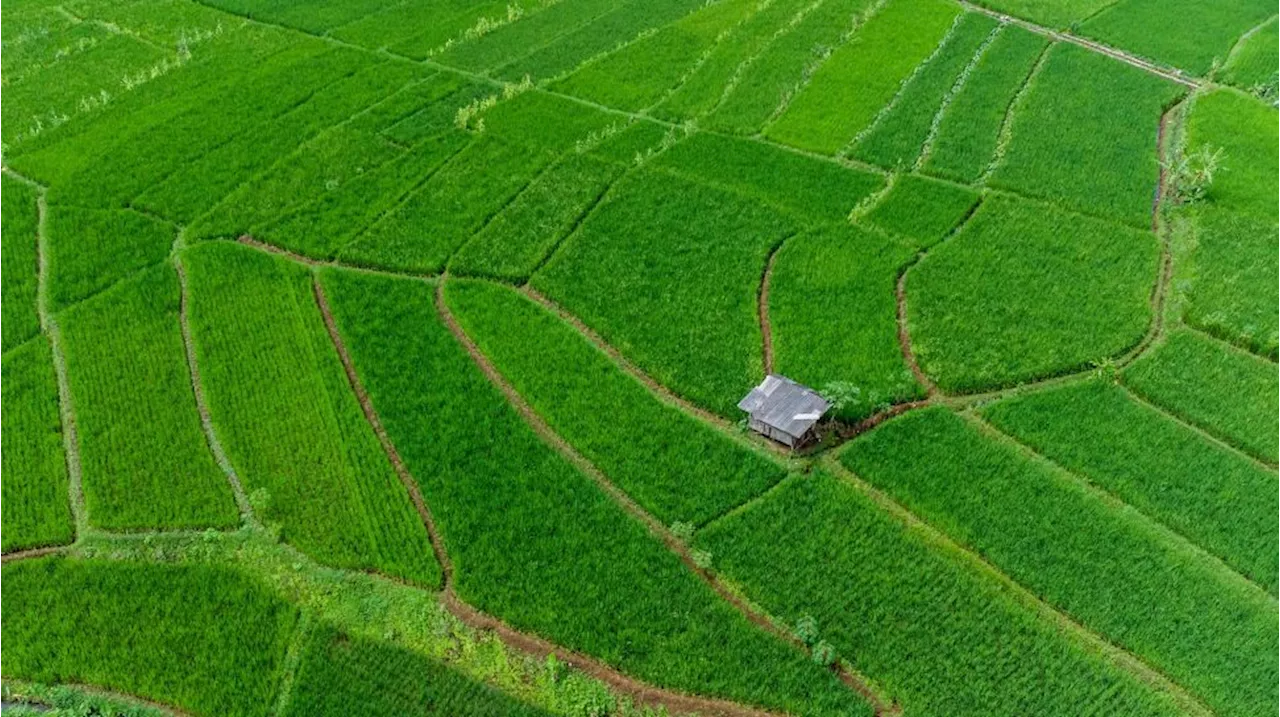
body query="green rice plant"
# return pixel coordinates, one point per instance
(1223, 390)
(766, 80)
(1010, 299)
(437, 112)
(547, 121)
(1219, 500)
(1084, 136)
(639, 74)
(36, 503)
(1186, 34)
(809, 188)
(145, 460)
(678, 468)
(1252, 64)
(863, 75)
(1229, 278)
(315, 17)
(922, 209)
(602, 35)
(171, 23)
(341, 674)
(667, 271)
(1081, 552)
(18, 252)
(196, 187)
(89, 250)
(703, 87)
(433, 221)
(415, 29)
(536, 543)
(514, 41)
(200, 638)
(832, 310)
(28, 699)
(1057, 14)
(897, 136)
(288, 420)
(1245, 130)
(969, 130)
(937, 635)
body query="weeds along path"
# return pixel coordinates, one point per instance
(1187, 702)
(27, 694)
(1169, 73)
(757, 617)
(20, 555)
(202, 406)
(469, 615)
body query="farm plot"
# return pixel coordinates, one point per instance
(1251, 66)
(676, 467)
(939, 637)
(341, 674)
(143, 454)
(898, 134)
(810, 189)
(1084, 136)
(1098, 561)
(172, 23)
(968, 132)
(1223, 390)
(315, 17)
(1057, 14)
(91, 250)
(203, 639)
(1025, 290)
(284, 411)
(832, 310)
(513, 41)
(1231, 288)
(18, 240)
(1186, 34)
(36, 503)
(536, 543)
(922, 209)
(667, 271)
(706, 83)
(639, 74)
(1245, 130)
(763, 83)
(863, 75)
(424, 29)
(1220, 500)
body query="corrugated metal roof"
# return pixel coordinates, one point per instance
(785, 405)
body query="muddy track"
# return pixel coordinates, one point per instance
(314, 263)
(202, 406)
(762, 302)
(20, 555)
(849, 432)
(664, 534)
(904, 334)
(531, 644)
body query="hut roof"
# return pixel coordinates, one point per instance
(785, 405)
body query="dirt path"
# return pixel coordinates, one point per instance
(904, 335)
(202, 406)
(20, 555)
(762, 299)
(857, 682)
(314, 263)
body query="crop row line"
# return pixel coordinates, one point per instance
(1102, 646)
(1203, 433)
(935, 124)
(1005, 135)
(757, 617)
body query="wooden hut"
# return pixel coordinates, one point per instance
(784, 410)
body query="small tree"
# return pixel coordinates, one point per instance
(1192, 174)
(683, 531)
(807, 630)
(701, 558)
(824, 654)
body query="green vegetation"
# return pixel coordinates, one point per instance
(922, 209)
(1218, 499)
(1252, 64)
(202, 639)
(1084, 136)
(340, 674)
(969, 130)
(536, 543)
(667, 271)
(861, 76)
(832, 309)
(960, 643)
(142, 451)
(36, 503)
(291, 426)
(1098, 562)
(90, 250)
(673, 465)
(1226, 392)
(18, 249)
(1245, 130)
(1186, 34)
(1059, 14)
(897, 136)
(1007, 300)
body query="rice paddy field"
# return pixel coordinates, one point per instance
(383, 357)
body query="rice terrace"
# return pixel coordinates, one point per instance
(892, 358)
